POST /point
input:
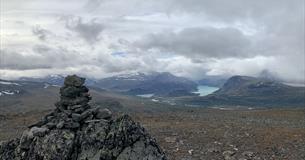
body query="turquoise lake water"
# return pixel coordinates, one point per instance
(205, 90)
(145, 95)
(202, 91)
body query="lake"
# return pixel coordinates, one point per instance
(205, 90)
(145, 95)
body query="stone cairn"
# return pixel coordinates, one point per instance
(73, 109)
(77, 131)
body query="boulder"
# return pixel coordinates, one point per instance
(101, 113)
(74, 80)
(40, 132)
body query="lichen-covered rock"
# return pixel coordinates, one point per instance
(77, 131)
(58, 144)
(118, 139)
(141, 150)
(103, 113)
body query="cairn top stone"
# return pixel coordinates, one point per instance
(74, 80)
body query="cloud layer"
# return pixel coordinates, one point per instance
(199, 43)
(192, 38)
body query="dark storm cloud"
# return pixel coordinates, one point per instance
(88, 30)
(199, 42)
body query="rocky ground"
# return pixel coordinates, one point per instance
(230, 134)
(207, 134)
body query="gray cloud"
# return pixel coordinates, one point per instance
(17, 61)
(89, 30)
(40, 57)
(239, 10)
(199, 42)
(92, 5)
(187, 37)
(40, 32)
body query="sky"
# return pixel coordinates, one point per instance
(191, 38)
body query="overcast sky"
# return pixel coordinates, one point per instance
(192, 38)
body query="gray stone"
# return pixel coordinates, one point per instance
(79, 110)
(103, 113)
(50, 125)
(85, 114)
(140, 150)
(60, 125)
(56, 145)
(71, 125)
(74, 81)
(74, 107)
(89, 118)
(248, 154)
(76, 117)
(26, 139)
(40, 132)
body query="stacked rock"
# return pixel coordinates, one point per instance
(77, 131)
(73, 109)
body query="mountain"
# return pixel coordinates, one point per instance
(13, 88)
(156, 83)
(23, 96)
(214, 81)
(250, 91)
(54, 79)
(26, 96)
(50, 79)
(250, 86)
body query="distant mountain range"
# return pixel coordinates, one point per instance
(236, 91)
(250, 91)
(12, 88)
(54, 80)
(157, 83)
(21, 96)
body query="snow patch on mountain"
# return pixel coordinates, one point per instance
(9, 92)
(9, 83)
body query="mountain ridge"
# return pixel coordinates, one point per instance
(251, 91)
(157, 83)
